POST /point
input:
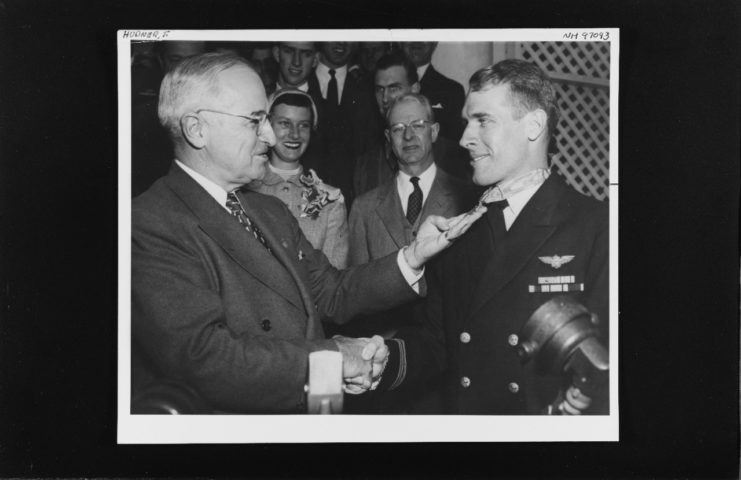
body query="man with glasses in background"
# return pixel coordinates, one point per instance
(227, 294)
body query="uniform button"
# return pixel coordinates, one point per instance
(465, 337)
(513, 387)
(265, 324)
(513, 340)
(285, 189)
(465, 382)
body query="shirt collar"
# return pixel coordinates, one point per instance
(421, 71)
(218, 193)
(425, 181)
(304, 87)
(278, 174)
(517, 201)
(322, 72)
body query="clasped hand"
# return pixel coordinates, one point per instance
(363, 361)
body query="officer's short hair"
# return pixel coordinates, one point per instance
(529, 86)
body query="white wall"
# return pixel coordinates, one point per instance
(459, 60)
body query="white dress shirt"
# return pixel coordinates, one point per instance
(421, 71)
(516, 203)
(219, 194)
(322, 74)
(405, 188)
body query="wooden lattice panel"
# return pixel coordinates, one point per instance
(583, 138)
(586, 59)
(580, 71)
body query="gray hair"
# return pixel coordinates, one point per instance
(190, 85)
(413, 97)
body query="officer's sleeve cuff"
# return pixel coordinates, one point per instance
(396, 368)
(409, 275)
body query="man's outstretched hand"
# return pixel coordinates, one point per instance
(438, 233)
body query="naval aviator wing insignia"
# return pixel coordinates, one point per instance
(555, 261)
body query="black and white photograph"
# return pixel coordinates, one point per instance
(330, 239)
(397, 229)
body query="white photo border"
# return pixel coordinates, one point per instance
(200, 429)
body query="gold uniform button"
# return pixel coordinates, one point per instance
(513, 387)
(465, 382)
(513, 340)
(465, 337)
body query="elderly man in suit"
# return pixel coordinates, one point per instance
(227, 293)
(445, 94)
(537, 232)
(388, 217)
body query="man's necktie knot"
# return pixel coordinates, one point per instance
(414, 204)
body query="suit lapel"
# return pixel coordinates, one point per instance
(391, 214)
(290, 262)
(438, 200)
(226, 231)
(533, 226)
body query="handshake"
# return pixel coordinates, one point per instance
(363, 361)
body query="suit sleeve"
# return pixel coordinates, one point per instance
(417, 353)
(178, 319)
(340, 295)
(358, 235)
(337, 241)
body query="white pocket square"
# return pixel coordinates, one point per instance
(439, 105)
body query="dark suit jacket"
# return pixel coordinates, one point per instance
(446, 97)
(212, 308)
(483, 290)
(343, 136)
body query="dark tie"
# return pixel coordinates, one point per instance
(414, 205)
(332, 96)
(235, 207)
(495, 215)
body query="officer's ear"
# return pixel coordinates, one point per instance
(193, 130)
(276, 53)
(536, 124)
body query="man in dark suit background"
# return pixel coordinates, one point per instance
(537, 233)
(446, 95)
(227, 294)
(345, 107)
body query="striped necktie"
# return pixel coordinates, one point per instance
(235, 207)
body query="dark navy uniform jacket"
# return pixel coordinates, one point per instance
(480, 296)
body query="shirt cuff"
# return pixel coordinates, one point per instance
(409, 275)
